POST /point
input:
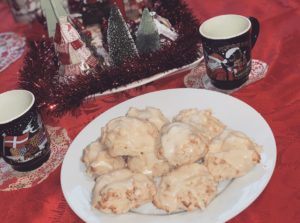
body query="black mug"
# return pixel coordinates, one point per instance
(227, 42)
(24, 141)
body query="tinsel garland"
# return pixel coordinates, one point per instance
(40, 72)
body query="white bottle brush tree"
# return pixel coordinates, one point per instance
(147, 38)
(121, 45)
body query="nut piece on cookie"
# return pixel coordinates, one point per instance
(150, 114)
(188, 187)
(182, 143)
(122, 190)
(209, 125)
(126, 136)
(98, 161)
(232, 154)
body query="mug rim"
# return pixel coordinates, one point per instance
(229, 36)
(26, 109)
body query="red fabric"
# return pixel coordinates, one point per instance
(277, 98)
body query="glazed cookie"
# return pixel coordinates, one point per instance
(182, 143)
(151, 114)
(231, 154)
(127, 136)
(188, 187)
(148, 164)
(122, 190)
(98, 161)
(203, 120)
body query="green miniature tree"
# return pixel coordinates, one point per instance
(147, 38)
(121, 45)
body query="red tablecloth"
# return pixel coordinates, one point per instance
(277, 98)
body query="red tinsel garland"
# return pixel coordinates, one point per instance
(40, 72)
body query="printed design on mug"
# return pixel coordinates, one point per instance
(227, 65)
(27, 146)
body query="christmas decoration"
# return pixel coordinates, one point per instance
(41, 67)
(95, 43)
(91, 13)
(75, 58)
(147, 37)
(134, 8)
(121, 6)
(52, 10)
(120, 42)
(164, 27)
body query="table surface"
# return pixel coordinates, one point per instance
(276, 97)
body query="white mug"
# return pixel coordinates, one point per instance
(24, 141)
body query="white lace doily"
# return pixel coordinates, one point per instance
(198, 78)
(12, 47)
(14, 180)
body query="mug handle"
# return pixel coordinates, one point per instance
(255, 30)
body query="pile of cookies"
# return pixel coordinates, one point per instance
(187, 156)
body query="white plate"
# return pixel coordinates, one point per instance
(234, 198)
(151, 79)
